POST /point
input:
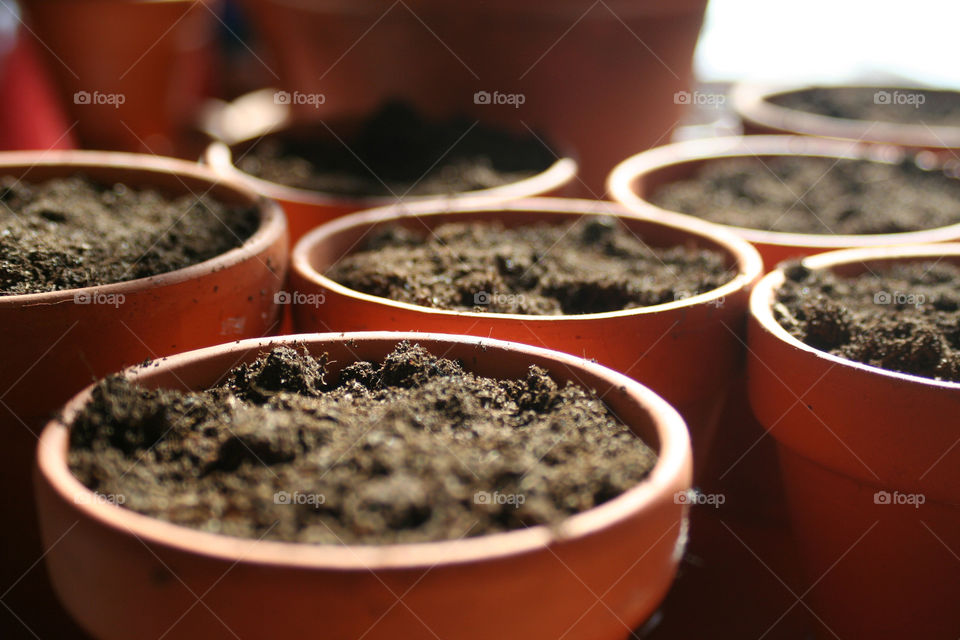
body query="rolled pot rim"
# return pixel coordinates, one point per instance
(620, 183)
(272, 220)
(752, 103)
(763, 295)
(748, 263)
(219, 157)
(673, 463)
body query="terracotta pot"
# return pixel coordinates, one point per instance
(307, 209)
(852, 438)
(531, 583)
(687, 351)
(53, 344)
(606, 101)
(635, 179)
(130, 82)
(760, 115)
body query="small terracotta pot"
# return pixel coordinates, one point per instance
(855, 441)
(307, 209)
(687, 351)
(483, 58)
(760, 115)
(130, 82)
(635, 179)
(597, 575)
(54, 344)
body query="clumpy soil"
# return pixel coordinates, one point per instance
(593, 265)
(398, 451)
(905, 317)
(396, 152)
(67, 233)
(816, 195)
(939, 108)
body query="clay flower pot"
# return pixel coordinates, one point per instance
(307, 209)
(760, 115)
(530, 64)
(856, 443)
(539, 582)
(635, 179)
(130, 82)
(686, 351)
(54, 343)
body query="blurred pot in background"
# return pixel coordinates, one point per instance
(130, 73)
(911, 117)
(607, 78)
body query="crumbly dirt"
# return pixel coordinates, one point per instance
(904, 317)
(412, 449)
(397, 152)
(816, 195)
(67, 233)
(593, 265)
(883, 104)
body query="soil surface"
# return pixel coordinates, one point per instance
(593, 265)
(816, 195)
(904, 317)
(396, 152)
(67, 233)
(408, 450)
(883, 104)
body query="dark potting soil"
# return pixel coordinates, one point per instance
(397, 152)
(593, 265)
(883, 104)
(66, 233)
(408, 450)
(816, 195)
(905, 317)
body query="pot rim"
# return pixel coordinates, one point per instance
(272, 221)
(219, 157)
(620, 182)
(673, 463)
(557, 10)
(761, 301)
(752, 103)
(748, 263)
